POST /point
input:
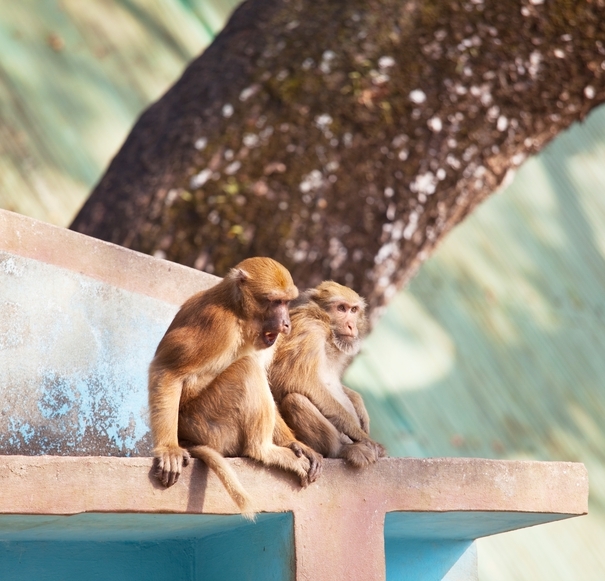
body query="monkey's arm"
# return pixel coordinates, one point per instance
(177, 356)
(332, 409)
(164, 397)
(283, 436)
(364, 419)
(360, 408)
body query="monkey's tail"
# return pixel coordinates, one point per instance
(216, 462)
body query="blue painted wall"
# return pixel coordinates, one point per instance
(434, 546)
(264, 551)
(74, 354)
(430, 560)
(118, 547)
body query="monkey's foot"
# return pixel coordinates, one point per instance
(303, 469)
(315, 459)
(169, 462)
(361, 454)
(380, 451)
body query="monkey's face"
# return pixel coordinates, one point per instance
(345, 317)
(275, 321)
(265, 288)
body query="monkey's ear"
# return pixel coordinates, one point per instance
(306, 296)
(311, 293)
(238, 275)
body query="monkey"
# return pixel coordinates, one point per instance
(328, 323)
(209, 395)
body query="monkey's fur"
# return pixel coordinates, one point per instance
(328, 323)
(208, 390)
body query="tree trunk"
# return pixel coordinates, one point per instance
(346, 138)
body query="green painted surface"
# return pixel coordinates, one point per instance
(74, 76)
(496, 347)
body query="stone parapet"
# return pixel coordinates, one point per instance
(401, 518)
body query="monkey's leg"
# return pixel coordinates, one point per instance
(255, 413)
(364, 418)
(310, 426)
(284, 436)
(284, 458)
(259, 444)
(315, 430)
(331, 409)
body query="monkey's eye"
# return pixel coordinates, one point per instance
(353, 309)
(342, 308)
(280, 302)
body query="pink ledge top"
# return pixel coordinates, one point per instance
(468, 498)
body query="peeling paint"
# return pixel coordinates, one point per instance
(10, 266)
(74, 354)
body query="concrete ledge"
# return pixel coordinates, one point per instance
(103, 261)
(70, 485)
(342, 523)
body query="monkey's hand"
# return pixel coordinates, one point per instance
(315, 459)
(364, 420)
(169, 462)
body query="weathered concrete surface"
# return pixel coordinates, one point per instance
(105, 262)
(339, 521)
(79, 322)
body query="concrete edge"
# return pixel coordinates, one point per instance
(70, 485)
(112, 264)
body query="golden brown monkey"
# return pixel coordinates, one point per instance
(208, 390)
(328, 323)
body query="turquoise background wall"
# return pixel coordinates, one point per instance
(162, 547)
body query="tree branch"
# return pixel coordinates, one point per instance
(345, 139)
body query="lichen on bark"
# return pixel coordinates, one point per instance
(345, 139)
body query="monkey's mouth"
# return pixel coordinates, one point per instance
(269, 338)
(347, 337)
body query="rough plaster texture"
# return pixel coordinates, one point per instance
(79, 322)
(339, 521)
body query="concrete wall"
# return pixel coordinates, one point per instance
(79, 323)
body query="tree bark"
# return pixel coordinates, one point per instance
(346, 138)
